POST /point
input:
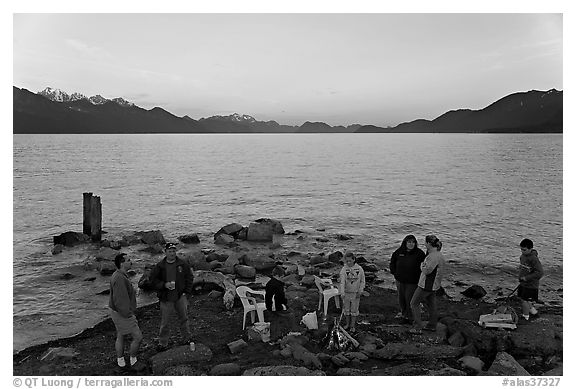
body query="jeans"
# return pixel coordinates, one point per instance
(428, 297)
(181, 308)
(405, 293)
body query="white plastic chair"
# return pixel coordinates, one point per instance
(326, 290)
(250, 304)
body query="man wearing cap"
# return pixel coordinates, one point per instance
(172, 278)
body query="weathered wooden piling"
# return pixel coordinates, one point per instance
(92, 212)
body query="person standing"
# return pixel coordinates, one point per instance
(172, 278)
(530, 273)
(405, 266)
(430, 281)
(352, 283)
(122, 304)
(275, 296)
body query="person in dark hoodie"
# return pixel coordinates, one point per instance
(172, 278)
(405, 266)
(530, 273)
(275, 296)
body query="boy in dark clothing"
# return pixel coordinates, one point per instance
(172, 278)
(275, 291)
(530, 273)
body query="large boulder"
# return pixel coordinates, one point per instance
(71, 238)
(230, 229)
(505, 365)
(181, 355)
(282, 370)
(275, 225)
(152, 237)
(258, 232)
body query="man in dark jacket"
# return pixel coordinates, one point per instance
(172, 278)
(405, 266)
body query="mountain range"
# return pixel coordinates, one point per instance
(53, 111)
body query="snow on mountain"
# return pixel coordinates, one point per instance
(55, 94)
(63, 97)
(122, 102)
(97, 100)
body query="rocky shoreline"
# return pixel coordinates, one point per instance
(458, 347)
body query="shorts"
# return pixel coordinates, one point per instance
(528, 294)
(351, 304)
(125, 325)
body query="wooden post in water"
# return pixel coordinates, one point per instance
(92, 224)
(86, 224)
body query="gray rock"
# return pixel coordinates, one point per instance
(260, 262)
(307, 281)
(226, 369)
(230, 229)
(181, 355)
(557, 371)
(223, 239)
(235, 259)
(106, 254)
(505, 365)
(282, 370)
(335, 257)
(318, 258)
(189, 238)
(106, 268)
(475, 292)
(152, 237)
(57, 249)
(275, 225)
(131, 239)
(457, 340)
(473, 363)
(259, 232)
(237, 346)
(245, 271)
(70, 238)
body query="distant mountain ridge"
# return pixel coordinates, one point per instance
(55, 111)
(525, 112)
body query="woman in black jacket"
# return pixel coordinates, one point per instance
(405, 266)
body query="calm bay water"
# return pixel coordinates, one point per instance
(481, 194)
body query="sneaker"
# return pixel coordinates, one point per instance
(399, 315)
(533, 311)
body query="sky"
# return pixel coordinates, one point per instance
(338, 68)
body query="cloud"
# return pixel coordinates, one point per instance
(92, 52)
